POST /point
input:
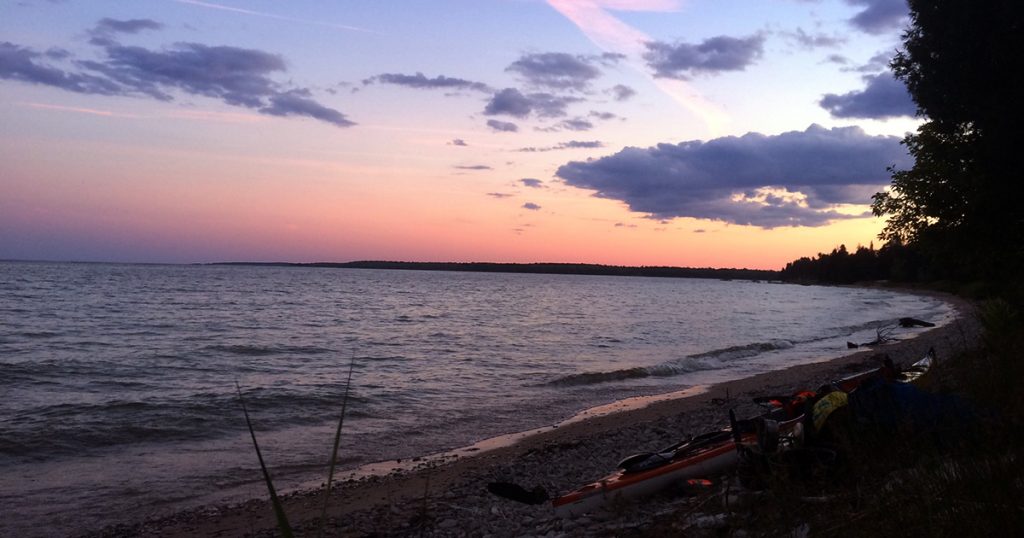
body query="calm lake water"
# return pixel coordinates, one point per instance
(117, 399)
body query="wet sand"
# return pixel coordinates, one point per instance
(445, 495)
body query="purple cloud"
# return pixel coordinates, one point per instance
(132, 26)
(512, 102)
(556, 70)
(22, 64)
(814, 41)
(882, 97)
(420, 81)
(879, 16)
(622, 92)
(791, 179)
(236, 76)
(713, 55)
(502, 126)
(572, 144)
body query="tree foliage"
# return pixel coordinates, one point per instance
(960, 204)
(894, 261)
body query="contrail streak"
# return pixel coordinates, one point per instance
(613, 35)
(221, 7)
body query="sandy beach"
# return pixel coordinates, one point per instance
(446, 495)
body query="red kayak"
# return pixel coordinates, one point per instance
(706, 456)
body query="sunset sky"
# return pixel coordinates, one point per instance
(724, 133)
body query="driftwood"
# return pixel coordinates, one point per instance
(884, 332)
(912, 322)
(882, 335)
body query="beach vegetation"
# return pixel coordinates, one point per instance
(283, 526)
(275, 501)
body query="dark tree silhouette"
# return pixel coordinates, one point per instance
(960, 204)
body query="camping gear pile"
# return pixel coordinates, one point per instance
(803, 434)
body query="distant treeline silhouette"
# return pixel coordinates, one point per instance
(548, 268)
(894, 261)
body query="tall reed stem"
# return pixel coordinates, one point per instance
(334, 452)
(282, 520)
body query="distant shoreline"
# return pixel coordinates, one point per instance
(537, 268)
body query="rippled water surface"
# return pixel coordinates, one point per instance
(117, 398)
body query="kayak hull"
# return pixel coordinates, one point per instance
(711, 461)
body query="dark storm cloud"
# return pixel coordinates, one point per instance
(882, 97)
(752, 179)
(531, 182)
(421, 82)
(558, 70)
(879, 16)
(236, 76)
(531, 206)
(512, 102)
(713, 55)
(503, 126)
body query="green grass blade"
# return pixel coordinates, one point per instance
(282, 519)
(334, 452)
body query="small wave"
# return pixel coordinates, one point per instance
(259, 351)
(68, 429)
(593, 378)
(39, 334)
(847, 330)
(747, 350)
(710, 360)
(254, 351)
